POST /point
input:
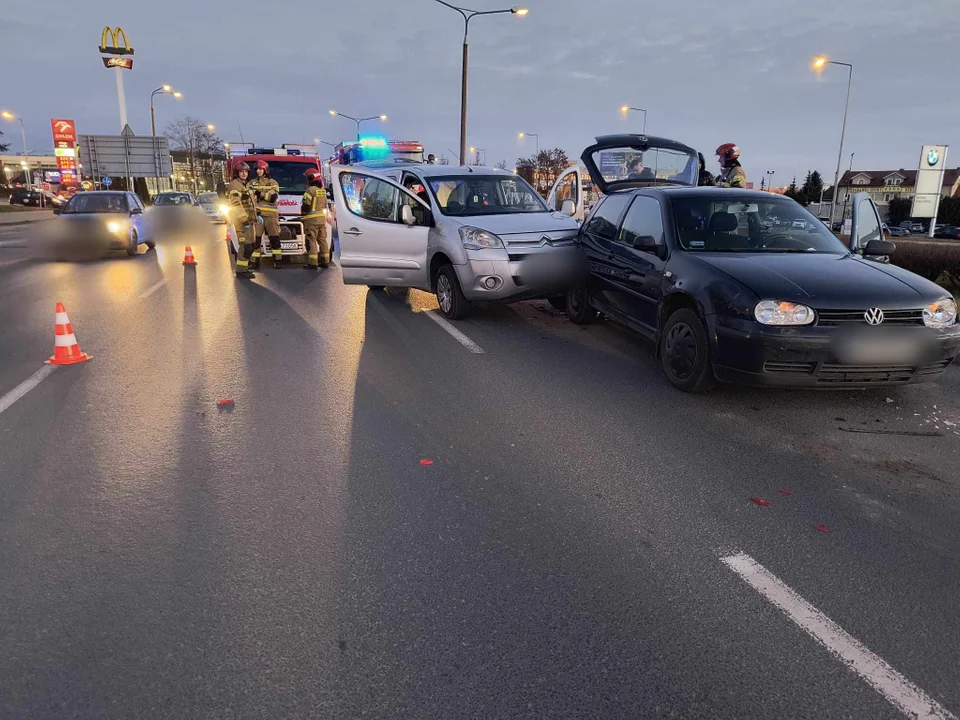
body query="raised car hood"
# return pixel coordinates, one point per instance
(553, 224)
(837, 282)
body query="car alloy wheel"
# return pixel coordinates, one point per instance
(680, 349)
(444, 293)
(132, 245)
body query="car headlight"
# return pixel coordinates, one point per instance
(224, 210)
(778, 312)
(115, 227)
(941, 313)
(477, 239)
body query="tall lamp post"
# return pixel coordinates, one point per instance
(468, 15)
(770, 174)
(166, 89)
(819, 64)
(625, 109)
(7, 115)
(382, 118)
(533, 135)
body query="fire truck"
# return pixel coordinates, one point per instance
(368, 149)
(287, 166)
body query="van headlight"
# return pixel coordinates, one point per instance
(940, 314)
(477, 239)
(778, 312)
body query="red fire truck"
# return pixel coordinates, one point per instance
(287, 167)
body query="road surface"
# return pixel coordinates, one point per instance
(519, 518)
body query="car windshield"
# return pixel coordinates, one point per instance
(289, 175)
(94, 203)
(467, 195)
(208, 198)
(173, 199)
(662, 166)
(742, 223)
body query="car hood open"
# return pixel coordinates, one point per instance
(826, 281)
(605, 161)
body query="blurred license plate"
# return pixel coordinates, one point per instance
(289, 246)
(879, 350)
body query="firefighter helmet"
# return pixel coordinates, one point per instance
(263, 165)
(240, 166)
(728, 152)
(312, 174)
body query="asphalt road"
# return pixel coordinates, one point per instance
(388, 523)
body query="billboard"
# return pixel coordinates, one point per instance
(125, 156)
(926, 199)
(118, 62)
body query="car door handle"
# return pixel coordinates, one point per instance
(353, 231)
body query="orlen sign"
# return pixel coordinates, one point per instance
(64, 146)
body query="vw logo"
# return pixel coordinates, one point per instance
(932, 157)
(873, 316)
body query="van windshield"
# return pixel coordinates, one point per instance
(288, 174)
(468, 195)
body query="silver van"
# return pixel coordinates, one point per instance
(466, 233)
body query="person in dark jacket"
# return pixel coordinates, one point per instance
(706, 177)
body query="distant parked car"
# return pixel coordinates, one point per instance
(213, 206)
(22, 196)
(947, 232)
(896, 231)
(913, 227)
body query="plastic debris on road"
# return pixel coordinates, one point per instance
(760, 501)
(225, 402)
(785, 492)
(822, 528)
(426, 462)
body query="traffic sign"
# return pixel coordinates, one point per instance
(107, 182)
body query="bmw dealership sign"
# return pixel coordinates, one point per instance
(926, 199)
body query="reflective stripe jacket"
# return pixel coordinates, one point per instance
(242, 207)
(732, 177)
(314, 203)
(266, 191)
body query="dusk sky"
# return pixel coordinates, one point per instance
(707, 72)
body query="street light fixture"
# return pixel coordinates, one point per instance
(7, 115)
(819, 64)
(382, 118)
(468, 15)
(167, 90)
(770, 174)
(625, 109)
(533, 135)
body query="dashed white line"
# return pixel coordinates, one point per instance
(883, 678)
(26, 386)
(152, 289)
(457, 335)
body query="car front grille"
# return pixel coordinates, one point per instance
(829, 373)
(832, 318)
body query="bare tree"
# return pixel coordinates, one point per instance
(205, 148)
(3, 146)
(542, 170)
(502, 165)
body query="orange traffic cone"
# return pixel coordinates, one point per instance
(65, 348)
(188, 257)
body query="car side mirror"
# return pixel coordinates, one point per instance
(406, 214)
(136, 211)
(879, 248)
(568, 207)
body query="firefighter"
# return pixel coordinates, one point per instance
(266, 193)
(243, 215)
(313, 212)
(731, 174)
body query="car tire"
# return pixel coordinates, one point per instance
(685, 352)
(453, 304)
(133, 245)
(376, 288)
(559, 303)
(577, 306)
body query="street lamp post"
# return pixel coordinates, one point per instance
(533, 135)
(153, 125)
(7, 115)
(468, 15)
(382, 118)
(770, 174)
(819, 64)
(625, 109)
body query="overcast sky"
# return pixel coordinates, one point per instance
(708, 72)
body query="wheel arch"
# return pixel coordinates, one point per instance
(438, 260)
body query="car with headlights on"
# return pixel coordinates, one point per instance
(99, 221)
(726, 297)
(466, 233)
(214, 206)
(175, 211)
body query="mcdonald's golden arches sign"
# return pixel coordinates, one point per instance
(110, 42)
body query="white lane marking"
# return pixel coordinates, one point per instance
(458, 336)
(26, 386)
(882, 677)
(152, 289)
